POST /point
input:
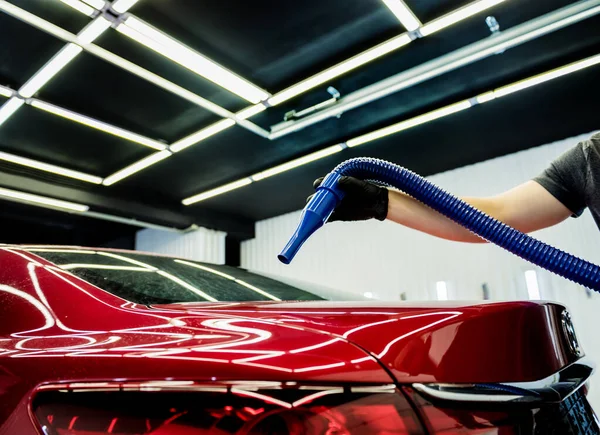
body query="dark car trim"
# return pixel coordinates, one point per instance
(552, 389)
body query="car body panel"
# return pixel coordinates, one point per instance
(57, 328)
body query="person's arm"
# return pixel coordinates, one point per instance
(554, 195)
(527, 207)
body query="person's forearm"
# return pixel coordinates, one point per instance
(409, 212)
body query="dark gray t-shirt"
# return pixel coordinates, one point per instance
(574, 178)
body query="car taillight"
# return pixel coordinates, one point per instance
(471, 418)
(249, 409)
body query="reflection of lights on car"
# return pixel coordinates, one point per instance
(226, 276)
(315, 346)
(102, 266)
(126, 259)
(187, 286)
(321, 367)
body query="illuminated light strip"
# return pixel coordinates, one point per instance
(53, 66)
(452, 108)
(46, 167)
(136, 167)
(172, 49)
(215, 128)
(81, 7)
(538, 79)
(121, 6)
(186, 285)
(218, 191)
(340, 69)
(42, 200)
(71, 266)
(297, 162)
(93, 30)
(251, 111)
(404, 14)
(458, 15)
(409, 123)
(48, 71)
(378, 51)
(97, 4)
(96, 124)
(201, 135)
(10, 107)
(128, 66)
(8, 92)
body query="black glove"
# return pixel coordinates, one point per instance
(363, 200)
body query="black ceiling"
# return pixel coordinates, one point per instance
(273, 44)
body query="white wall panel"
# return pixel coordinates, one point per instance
(201, 244)
(387, 259)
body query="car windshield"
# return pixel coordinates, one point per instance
(150, 279)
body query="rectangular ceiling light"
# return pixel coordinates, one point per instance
(201, 135)
(404, 14)
(421, 119)
(23, 161)
(41, 200)
(251, 111)
(48, 71)
(6, 92)
(97, 4)
(136, 167)
(218, 191)
(93, 30)
(533, 290)
(80, 6)
(121, 6)
(98, 125)
(409, 123)
(297, 162)
(10, 107)
(457, 15)
(194, 61)
(340, 69)
(215, 128)
(540, 78)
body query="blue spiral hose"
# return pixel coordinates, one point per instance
(328, 195)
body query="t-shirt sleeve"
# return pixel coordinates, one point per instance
(565, 179)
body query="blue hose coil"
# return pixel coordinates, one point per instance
(486, 227)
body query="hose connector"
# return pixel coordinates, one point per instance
(314, 215)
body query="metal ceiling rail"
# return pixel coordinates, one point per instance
(402, 126)
(128, 66)
(477, 51)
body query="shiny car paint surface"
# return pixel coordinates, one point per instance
(56, 328)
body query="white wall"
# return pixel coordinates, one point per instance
(200, 245)
(387, 259)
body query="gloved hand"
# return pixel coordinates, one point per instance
(363, 200)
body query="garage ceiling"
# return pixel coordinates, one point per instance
(125, 132)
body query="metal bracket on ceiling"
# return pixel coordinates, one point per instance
(335, 96)
(494, 27)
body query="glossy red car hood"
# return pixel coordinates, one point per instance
(424, 342)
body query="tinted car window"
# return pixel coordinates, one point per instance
(148, 279)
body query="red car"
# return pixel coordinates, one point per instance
(115, 342)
